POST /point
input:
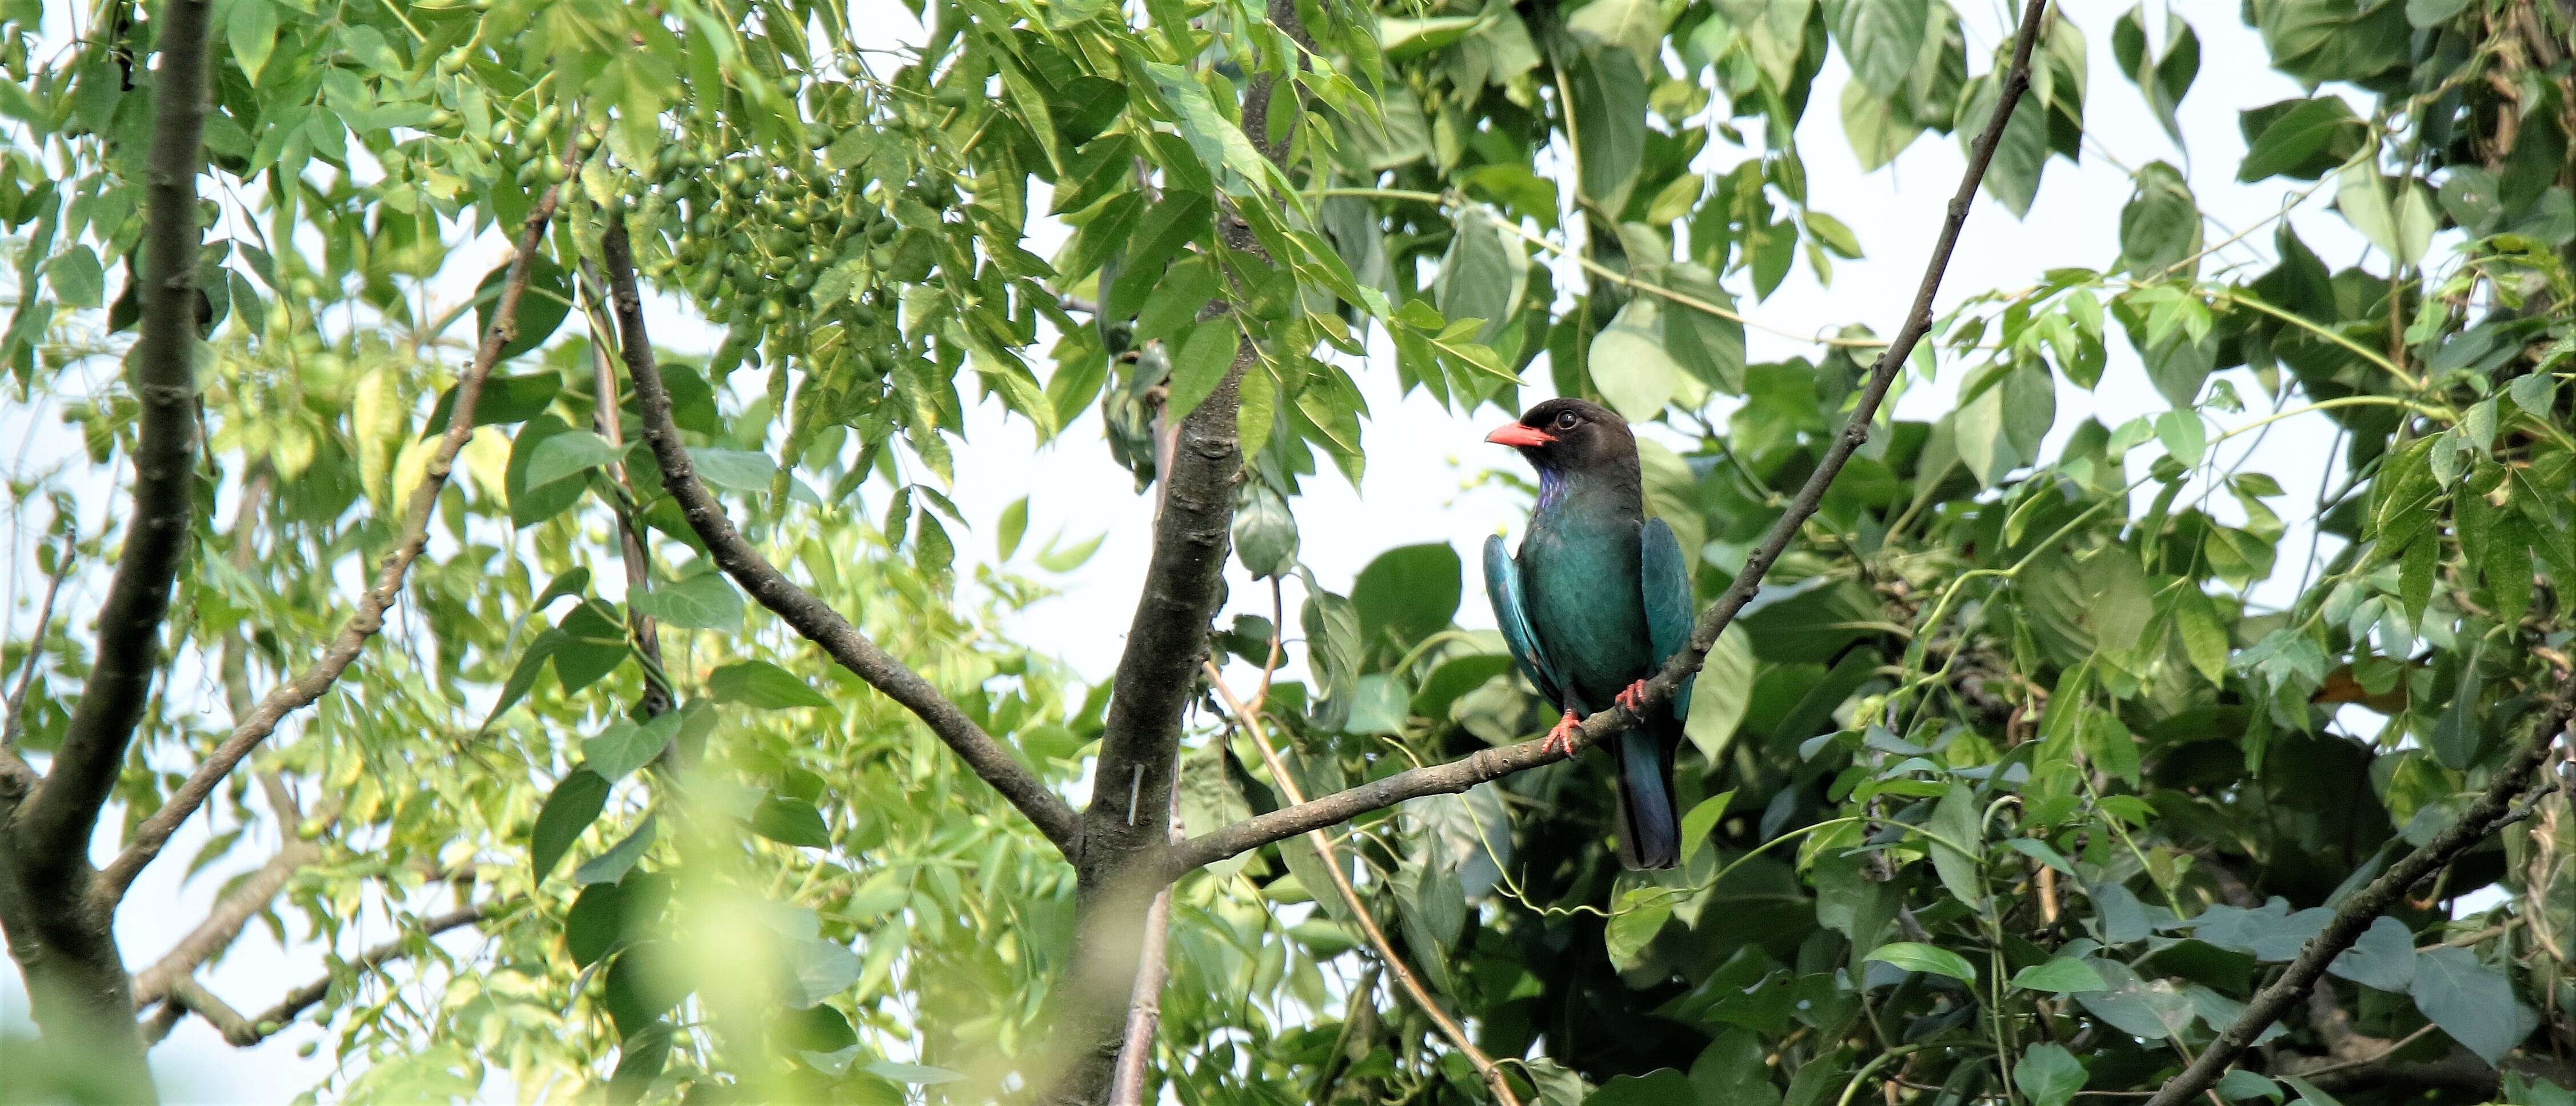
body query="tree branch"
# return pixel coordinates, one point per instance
(369, 619)
(234, 910)
(54, 824)
(2493, 809)
(1491, 764)
(243, 1032)
(15, 775)
(807, 615)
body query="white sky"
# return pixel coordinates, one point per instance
(1421, 458)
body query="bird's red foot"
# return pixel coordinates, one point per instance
(1561, 739)
(1633, 698)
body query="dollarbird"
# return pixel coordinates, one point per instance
(1595, 602)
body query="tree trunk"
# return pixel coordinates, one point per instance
(77, 987)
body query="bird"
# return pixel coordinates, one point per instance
(1597, 599)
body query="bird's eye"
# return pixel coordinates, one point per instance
(1565, 420)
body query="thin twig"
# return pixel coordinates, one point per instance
(11, 766)
(1395, 965)
(2494, 808)
(800, 609)
(1476, 768)
(369, 619)
(268, 1023)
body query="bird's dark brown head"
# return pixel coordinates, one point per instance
(1570, 436)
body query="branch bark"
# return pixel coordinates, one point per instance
(1491, 764)
(16, 778)
(76, 983)
(369, 619)
(2493, 809)
(807, 615)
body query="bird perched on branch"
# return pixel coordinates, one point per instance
(1597, 599)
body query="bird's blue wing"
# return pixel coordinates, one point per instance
(1503, 589)
(1669, 610)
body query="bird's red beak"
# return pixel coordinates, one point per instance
(1519, 436)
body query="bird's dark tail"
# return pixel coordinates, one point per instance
(1650, 822)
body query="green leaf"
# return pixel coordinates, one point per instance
(1916, 957)
(1199, 366)
(250, 28)
(2400, 225)
(921, 1074)
(2049, 1075)
(2012, 178)
(1881, 39)
(823, 969)
(1723, 694)
(2383, 958)
(1217, 141)
(733, 470)
(1701, 821)
(1630, 364)
(542, 306)
(1407, 38)
(1656, 1088)
(1408, 593)
(791, 822)
(621, 858)
(763, 686)
(1955, 828)
(2183, 435)
(2160, 225)
(2300, 138)
(1634, 922)
(702, 602)
(2062, 975)
(505, 399)
(1265, 533)
(1609, 96)
(1708, 346)
(624, 747)
(1636, 26)
(2471, 1002)
(1013, 526)
(2239, 1084)
(569, 809)
(77, 278)
(1482, 275)
(568, 454)
(2459, 736)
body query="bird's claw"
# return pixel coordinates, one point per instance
(1561, 739)
(1634, 698)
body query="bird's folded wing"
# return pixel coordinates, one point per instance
(1503, 589)
(1669, 610)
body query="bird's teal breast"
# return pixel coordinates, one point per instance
(1579, 580)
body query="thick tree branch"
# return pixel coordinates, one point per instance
(1125, 827)
(369, 619)
(807, 615)
(53, 826)
(2494, 808)
(1490, 764)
